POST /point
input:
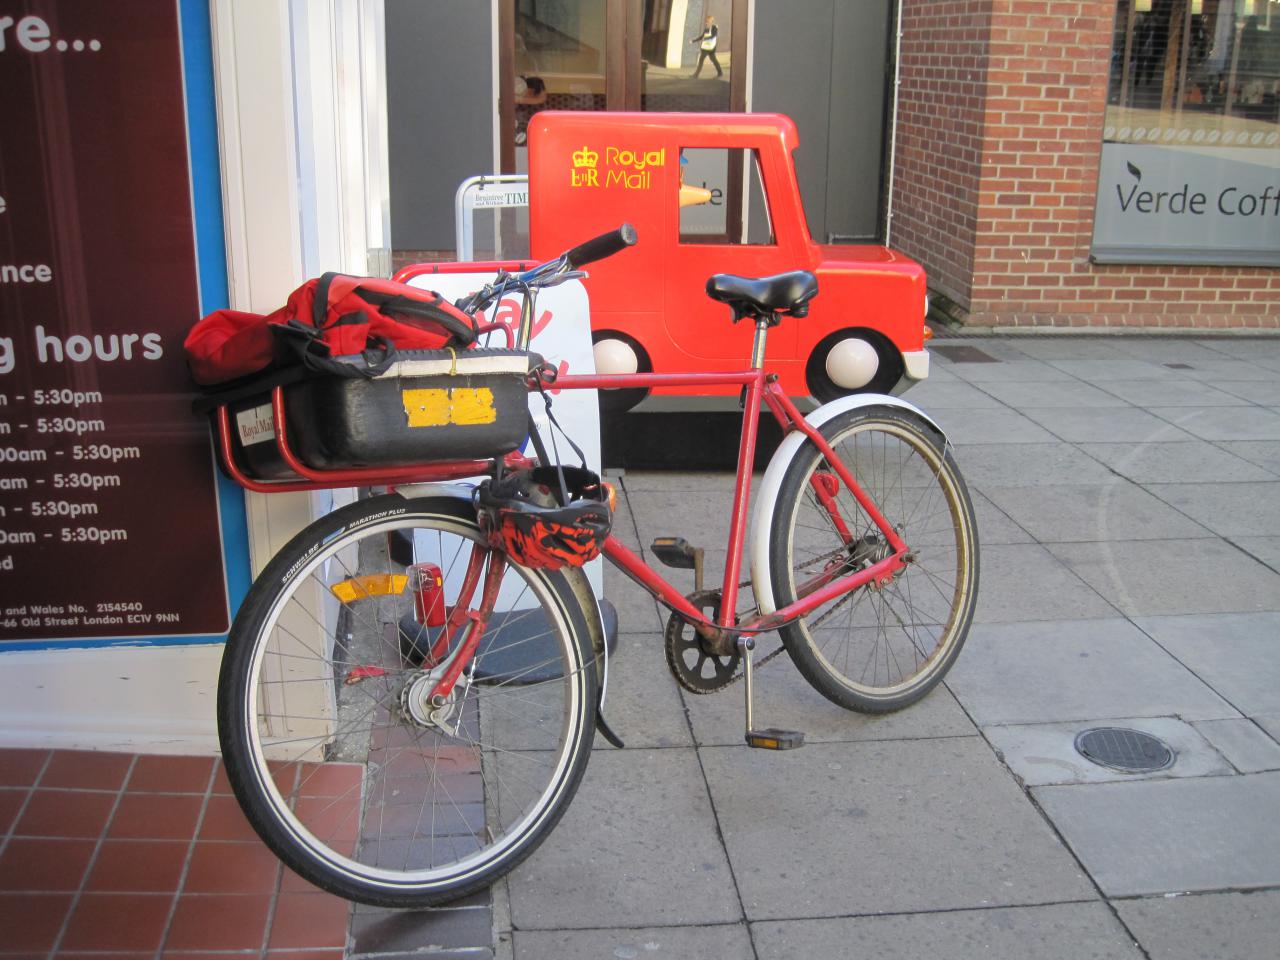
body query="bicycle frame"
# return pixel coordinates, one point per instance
(760, 386)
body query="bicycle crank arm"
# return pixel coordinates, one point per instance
(769, 738)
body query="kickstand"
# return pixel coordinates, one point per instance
(770, 738)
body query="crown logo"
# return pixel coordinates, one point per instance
(585, 158)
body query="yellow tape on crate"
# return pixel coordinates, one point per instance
(437, 407)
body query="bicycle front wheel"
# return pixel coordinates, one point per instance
(346, 758)
(876, 649)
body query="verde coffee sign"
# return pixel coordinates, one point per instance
(1188, 204)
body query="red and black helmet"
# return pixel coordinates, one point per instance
(520, 512)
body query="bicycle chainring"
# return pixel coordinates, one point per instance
(693, 666)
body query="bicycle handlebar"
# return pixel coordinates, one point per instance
(553, 271)
(605, 245)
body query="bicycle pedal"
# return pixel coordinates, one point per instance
(674, 552)
(771, 738)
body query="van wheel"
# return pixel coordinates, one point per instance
(882, 363)
(615, 353)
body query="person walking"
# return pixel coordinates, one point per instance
(707, 47)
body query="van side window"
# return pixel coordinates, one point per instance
(722, 198)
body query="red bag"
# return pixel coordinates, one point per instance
(329, 317)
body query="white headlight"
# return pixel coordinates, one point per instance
(615, 357)
(852, 363)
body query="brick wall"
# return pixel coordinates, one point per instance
(1024, 228)
(938, 154)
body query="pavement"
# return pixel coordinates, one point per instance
(1128, 500)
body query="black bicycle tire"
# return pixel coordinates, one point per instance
(243, 771)
(794, 636)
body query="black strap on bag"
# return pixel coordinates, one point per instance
(543, 375)
(306, 345)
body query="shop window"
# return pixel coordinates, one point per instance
(1191, 141)
(722, 198)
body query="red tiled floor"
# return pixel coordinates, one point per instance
(31, 921)
(44, 866)
(155, 816)
(118, 921)
(219, 922)
(11, 801)
(139, 866)
(86, 770)
(65, 813)
(146, 872)
(223, 820)
(171, 775)
(309, 920)
(19, 768)
(232, 868)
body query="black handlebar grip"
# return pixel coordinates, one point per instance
(605, 245)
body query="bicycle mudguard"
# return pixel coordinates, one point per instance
(767, 495)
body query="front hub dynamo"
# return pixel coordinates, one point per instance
(416, 703)
(693, 665)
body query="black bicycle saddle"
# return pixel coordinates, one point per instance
(784, 293)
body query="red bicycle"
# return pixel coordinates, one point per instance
(406, 712)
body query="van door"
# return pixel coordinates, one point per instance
(723, 224)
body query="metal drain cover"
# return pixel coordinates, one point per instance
(1131, 751)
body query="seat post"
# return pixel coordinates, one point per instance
(757, 348)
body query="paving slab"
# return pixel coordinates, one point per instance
(951, 394)
(1075, 670)
(1118, 510)
(1035, 371)
(638, 847)
(1105, 425)
(1223, 423)
(1248, 748)
(1264, 392)
(1245, 348)
(1264, 549)
(990, 426)
(1024, 581)
(1171, 393)
(711, 942)
(1071, 348)
(637, 610)
(1234, 654)
(1229, 509)
(1152, 577)
(1045, 753)
(660, 481)
(1094, 371)
(1060, 930)
(1027, 465)
(1171, 836)
(1221, 926)
(1269, 722)
(994, 525)
(1194, 461)
(1170, 350)
(1022, 394)
(1223, 371)
(642, 702)
(1263, 453)
(783, 698)
(910, 825)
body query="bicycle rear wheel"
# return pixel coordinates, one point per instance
(877, 650)
(344, 765)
